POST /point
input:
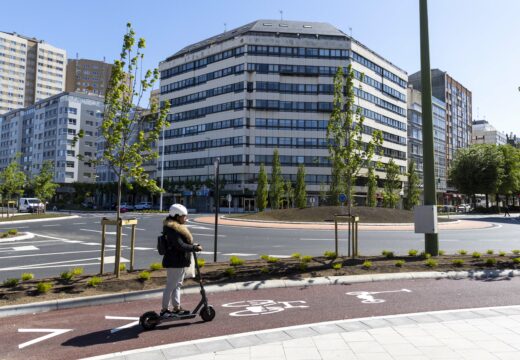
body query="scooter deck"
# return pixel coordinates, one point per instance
(174, 317)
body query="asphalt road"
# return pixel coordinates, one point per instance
(102, 329)
(63, 244)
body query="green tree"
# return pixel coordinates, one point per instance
(129, 134)
(261, 189)
(43, 184)
(412, 191)
(301, 193)
(510, 183)
(372, 187)
(277, 183)
(12, 180)
(347, 150)
(289, 193)
(392, 185)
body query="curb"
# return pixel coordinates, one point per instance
(28, 235)
(45, 306)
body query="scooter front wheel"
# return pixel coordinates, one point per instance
(207, 313)
(149, 320)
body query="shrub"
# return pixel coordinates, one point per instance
(399, 263)
(43, 287)
(501, 253)
(302, 266)
(264, 257)
(296, 255)
(144, 275)
(306, 259)
(476, 255)
(330, 255)
(387, 254)
(230, 272)
(4, 235)
(12, 232)
(11, 282)
(426, 255)
(516, 252)
(489, 252)
(77, 271)
(272, 259)
(516, 261)
(155, 266)
(431, 263)
(27, 276)
(442, 252)
(462, 252)
(236, 261)
(201, 262)
(457, 262)
(264, 269)
(122, 267)
(367, 264)
(412, 252)
(66, 275)
(337, 266)
(491, 262)
(94, 281)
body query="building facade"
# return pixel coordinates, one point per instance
(415, 143)
(484, 133)
(30, 70)
(268, 85)
(88, 76)
(45, 131)
(458, 102)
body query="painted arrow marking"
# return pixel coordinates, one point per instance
(133, 323)
(53, 333)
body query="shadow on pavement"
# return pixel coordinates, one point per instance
(500, 219)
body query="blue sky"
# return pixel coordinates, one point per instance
(476, 41)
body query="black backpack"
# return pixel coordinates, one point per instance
(161, 244)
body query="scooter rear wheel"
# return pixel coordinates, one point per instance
(207, 313)
(149, 320)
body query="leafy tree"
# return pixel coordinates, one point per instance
(12, 180)
(337, 185)
(372, 187)
(261, 189)
(510, 183)
(301, 193)
(392, 185)
(289, 193)
(347, 150)
(277, 183)
(129, 134)
(43, 184)
(412, 192)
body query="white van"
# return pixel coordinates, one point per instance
(30, 205)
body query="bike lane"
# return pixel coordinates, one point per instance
(102, 329)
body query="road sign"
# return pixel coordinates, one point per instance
(228, 198)
(342, 197)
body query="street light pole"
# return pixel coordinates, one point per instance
(216, 164)
(431, 241)
(162, 172)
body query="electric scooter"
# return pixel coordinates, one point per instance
(150, 319)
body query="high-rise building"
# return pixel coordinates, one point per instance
(45, 131)
(88, 76)
(485, 133)
(268, 85)
(458, 102)
(31, 70)
(415, 142)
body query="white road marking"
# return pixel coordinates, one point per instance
(199, 227)
(79, 223)
(25, 248)
(263, 307)
(47, 254)
(209, 235)
(208, 252)
(99, 232)
(367, 297)
(18, 227)
(51, 225)
(53, 333)
(239, 254)
(320, 239)
(112, 259)
(143, 248)
(280, 256)
(65, 263)
(53, 237)
(133, 323)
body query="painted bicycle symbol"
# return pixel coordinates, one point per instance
(367, 298)
(263, 307)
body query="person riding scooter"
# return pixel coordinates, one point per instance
(179, 246)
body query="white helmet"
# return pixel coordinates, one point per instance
(178, 209)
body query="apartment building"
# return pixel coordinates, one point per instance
(30, 70)
(484, 133)
(45, 131)
(88, 76)
(268, 85)
(415, 140)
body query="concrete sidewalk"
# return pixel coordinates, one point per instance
(483, 333)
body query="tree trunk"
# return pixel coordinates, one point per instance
(487, 201)
(118, 229)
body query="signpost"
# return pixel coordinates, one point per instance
(229, 198)
(342, 198)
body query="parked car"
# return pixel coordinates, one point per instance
(126, 207)
(464, 208)
(143, 205)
